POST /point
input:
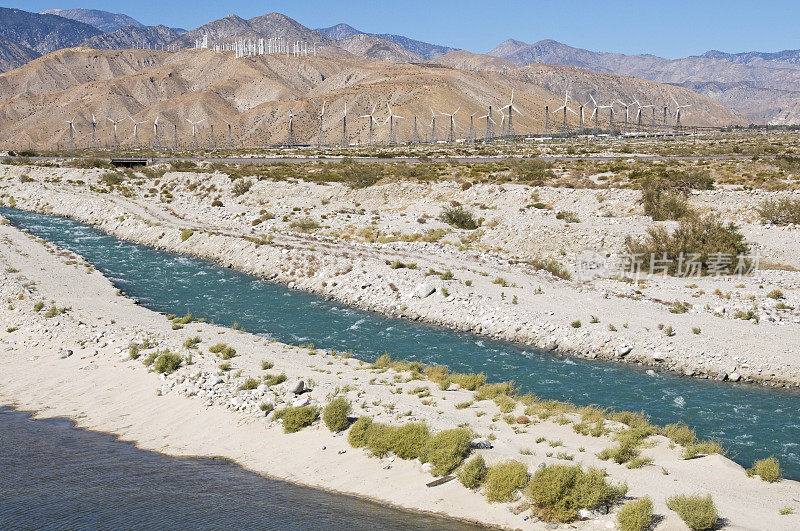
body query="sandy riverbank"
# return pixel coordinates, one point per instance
(198, 410)
(490, 291)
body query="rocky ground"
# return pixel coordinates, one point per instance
(384, 248)
(71, 356)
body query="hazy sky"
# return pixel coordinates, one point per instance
(669, 29)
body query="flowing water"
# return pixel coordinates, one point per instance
(57, 477)
(751, 422)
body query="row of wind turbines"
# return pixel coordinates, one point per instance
(507, 114)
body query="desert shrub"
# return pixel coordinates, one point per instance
(186, 234)
(305, 225)
(241, 186)
(505, 403)
(536, 171)
(274, 379)
(551, 265)
(768, 469)
(473, 472)
(697, 512)
(405, 441)
(112, 178)
(134, 351)
(151, 358)
(568, 216)
(216, 203)
(38, 306)
(459, 217)
(504, 479)
(781, 211)
(491, 391)
(266, 365)
(356, 174)
(469, 381)
(224, 351)
(664, 192)
(702, 448)
(358, 432)
(628, 443)
(192, 342)
(636, 515)
(558, 492)
(438, 374)
(701, 237)
(446, 450)
(679, 433)
(297, 418)
(166, 362)
(335, 414)
(249, 384)
(775, 294)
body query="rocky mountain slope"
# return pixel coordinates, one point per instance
(133, 37)
(253, 94)
(233, 27)
(750, 86)
(782, 59)
(102, 20)
(424, 49)
(13, 55)
(42, 33)
(371, 47)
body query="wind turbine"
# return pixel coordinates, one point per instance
(71, 131)
(230, 136)
(595, 115)
(372, 121)
(156, 142)
(502, 124)
(433, 126)
(489, 121)
(390, 119)
(94, 131)
(212, 140)
(194, 131)
(415, 133)
(678, 113)
(115, 122)
(472, 127)
(175, 136)
(639, 113)
(624, 106)
(320, 132)
(565, 108)
(511, 111)
(135, 131)
(345, 140)
(452, 137)
(290, 141)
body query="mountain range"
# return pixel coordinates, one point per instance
(763, 87)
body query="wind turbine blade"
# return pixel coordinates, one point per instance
(673, 99)
(560, 108)
(454, 112)
(573, 112)
(593, 113)
(374, 107)
(399, 117)
(593, 101)
(517, 111)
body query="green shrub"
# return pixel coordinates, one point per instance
(192, 342)
(241, 186)
(702, 448)
(679, 433)
(469, 381)
(305, 225)
(491, 391)
(775, 294)
(297, 418)
(446, 450)
(186, 234)
(406, 441)
(249, 384)
(504, 479)
(167, 362)
(636, 515)
(274, 379)
(266, 365)
(567, 216)
(133, 351)
(472, 473)
(780, 211)
(505, 403)
(459, 217)
(358, 432)
(697, 512)
(38, 306)
(151, 358)
(558, 492)
(225, 352)
(703, 237)
(335, 414)
(628, 443)
(768, 469)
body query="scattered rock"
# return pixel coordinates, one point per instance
(426, 467)
(734, 377)
(64, 353)
(424, 290)
(298, 388)
(481, 444)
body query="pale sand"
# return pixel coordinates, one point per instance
(104, 393)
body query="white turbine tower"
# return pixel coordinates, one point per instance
(320, 132)
(503, 123)
(432, 125)
(452, 136)
(472, 127)
(156, 141)
(194, 131)
(511, 110)
(135, 131)
(624, 106)
(291, 141)
(71, 131)
(489, 121)
(94, 131)
(565, 108)
(115, 122)
(372, 121)
(639, 112)
(345, 140)
(390, 120)
(595, 115)
(678, 113)
(230, 135)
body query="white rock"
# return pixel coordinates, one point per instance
(424, 289)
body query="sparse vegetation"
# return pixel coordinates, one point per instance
(459, 217)
(768, 469)
(335, 414)
(297, 418)
(446, 450)
(782, 211)
(166, 362)
(697, 512)
(636, 515)
(473, 472)
(504, 479)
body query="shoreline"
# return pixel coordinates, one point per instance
(476, 310)
(37, 415)
(100, 388)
